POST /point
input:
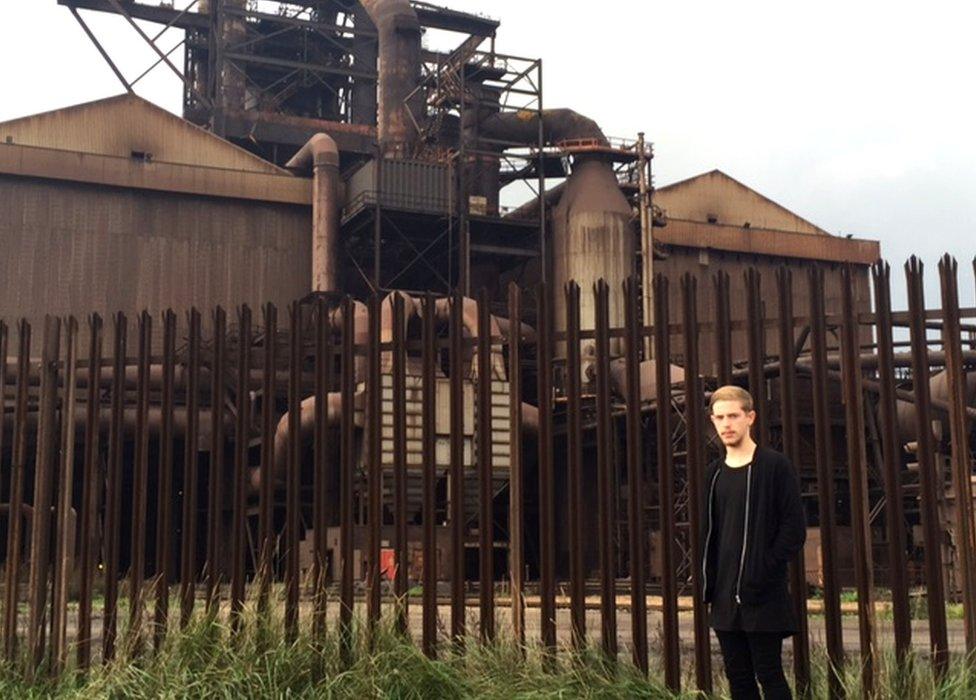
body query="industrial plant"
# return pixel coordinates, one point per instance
(327, 158)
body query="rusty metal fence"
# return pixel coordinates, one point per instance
(251, 458)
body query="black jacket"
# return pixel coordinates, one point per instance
(775, 527)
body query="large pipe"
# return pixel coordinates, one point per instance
(321, 155)
(399, 74)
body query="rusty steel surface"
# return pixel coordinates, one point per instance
(574, 467)
(164, 483)
(269, 395)
(374, 466)
(486, 519)
(925, 453)
(139, 495)
(64, 530)
(429, 439)
(858, 477)
(755, 342)
(395, 389)
(215, 475)
(723, 328)
(456, 475)
(191, 462)
(113, 489)
(44, 474)
(825, 482)
(894, 494)
(695, 465)
(321, 449)
(665, 484)
(88, 535)
(635, 480)
(238, 521)
(791, 448)
(347, 459)
(962, 467)
(293, 475)
(604, 467)
(399, 406)
(15, 530)
(547, 515)
(516, 497)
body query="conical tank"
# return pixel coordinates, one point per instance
(592, 238)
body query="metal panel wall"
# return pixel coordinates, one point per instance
(74, 249)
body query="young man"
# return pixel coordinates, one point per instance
(754, 525)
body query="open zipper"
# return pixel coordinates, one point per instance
(745, 536)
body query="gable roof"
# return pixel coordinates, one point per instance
(716, 195)
(126, 124)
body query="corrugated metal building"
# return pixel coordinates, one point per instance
(715, 223)
(118, 205)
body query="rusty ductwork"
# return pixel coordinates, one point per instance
(399, 74)
(321, 156)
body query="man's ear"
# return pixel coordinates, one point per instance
(752, 417)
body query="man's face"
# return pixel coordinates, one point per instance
(731, 422)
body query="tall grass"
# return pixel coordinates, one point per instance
(208, 660)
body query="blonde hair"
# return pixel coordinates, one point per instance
(730, 392)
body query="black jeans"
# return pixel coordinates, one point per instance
(750, 656)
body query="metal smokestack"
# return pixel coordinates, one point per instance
(321, 156)
(399, 73)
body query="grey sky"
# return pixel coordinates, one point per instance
(857, 115)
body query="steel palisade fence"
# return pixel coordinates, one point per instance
(98, 442)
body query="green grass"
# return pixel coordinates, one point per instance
(209, 661)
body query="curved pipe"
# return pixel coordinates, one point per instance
(558, 125)
(320, 155)
(398, 31)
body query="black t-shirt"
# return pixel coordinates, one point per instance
(729, 522)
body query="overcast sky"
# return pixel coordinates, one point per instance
(857, 115)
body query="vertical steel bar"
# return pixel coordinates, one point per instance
(574, 467)
(486, 547)
(723, 328)
(113, 490)
(188, 545)
(164, 486)
(293, 475)
(215, 499)
(635, 476)
(959, 440)
(604, 469)
(269, 393)
(429, 437)
(400, 582)
(516, 533)
(4, 351)
(348, 472)
(756, 342)
(15, 521)
(547, 540)
(64, 532)
(456, 479)
(665, 480)
(89, 541)
(825, 482)
(374, 456)
(44, 475)
(320, 485)
(791, 447)
(140, 483)
(857, 471)
(694, 467)
(241, 439)
(930, 482)
(891, 445)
